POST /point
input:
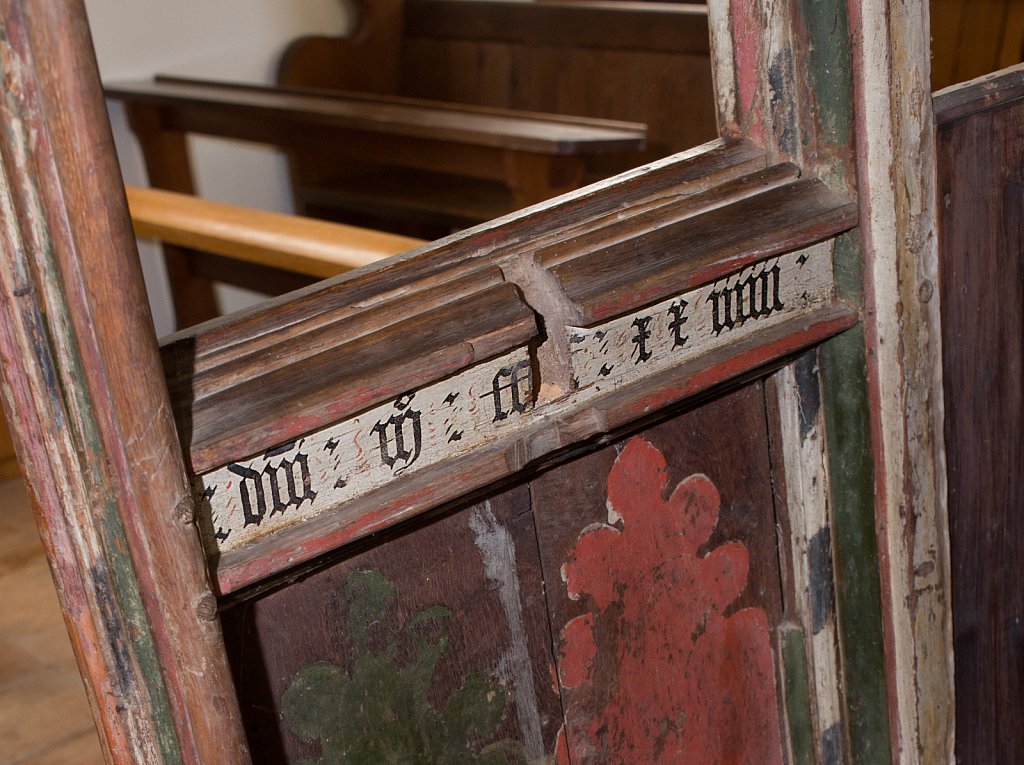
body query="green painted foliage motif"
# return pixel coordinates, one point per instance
(379, 711)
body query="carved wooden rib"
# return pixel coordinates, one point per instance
(258, 402)
(388, 391)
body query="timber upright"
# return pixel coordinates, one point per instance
(595, 482)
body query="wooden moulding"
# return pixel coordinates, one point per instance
(462, 253)
(441, 372)
(266, 407)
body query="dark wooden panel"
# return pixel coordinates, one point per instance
(430, 647)
(662, 635)
(662, 27)
(641, 62)
(981, 177)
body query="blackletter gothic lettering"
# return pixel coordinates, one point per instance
(755, 297)
(516, 380)
(397, 431)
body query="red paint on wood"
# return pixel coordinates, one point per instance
(747, 37)
(662, 674)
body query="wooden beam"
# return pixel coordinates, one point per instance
(83, 387)
(896, 172)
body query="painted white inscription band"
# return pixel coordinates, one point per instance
(298, 481)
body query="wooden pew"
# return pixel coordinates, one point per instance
(649, 471)
(527, 157)
(635, 61)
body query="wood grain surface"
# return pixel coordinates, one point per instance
(288, 242)
(92, 424)
(434, 643)
(981, 244)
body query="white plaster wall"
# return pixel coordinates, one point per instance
(237, 40)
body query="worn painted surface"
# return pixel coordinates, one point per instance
(683, 681)
(896, 168)
(427, 646)
(858, 585)
(379, 710)
(829, 67)
(253, 497)
(798, 698)
(805, 490)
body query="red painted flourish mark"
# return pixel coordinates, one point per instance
(659, 673)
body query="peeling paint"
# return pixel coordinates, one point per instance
(658, 672)
(829, 67)
(499, 555)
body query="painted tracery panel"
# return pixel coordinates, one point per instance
(662, 674)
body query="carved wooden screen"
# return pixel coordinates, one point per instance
(596, 482)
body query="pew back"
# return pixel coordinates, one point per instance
(639, 62)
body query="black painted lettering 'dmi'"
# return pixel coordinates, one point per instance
(755, 297)
(289, 484)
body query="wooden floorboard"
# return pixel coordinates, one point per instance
(44, 715)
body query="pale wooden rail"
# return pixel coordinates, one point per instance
(288, 242)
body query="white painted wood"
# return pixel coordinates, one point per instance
(896, 169)
(679, 329)
(246, 500)
(805, 466)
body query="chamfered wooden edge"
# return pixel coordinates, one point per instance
(555, 430)
(263, 410)
(986, 92)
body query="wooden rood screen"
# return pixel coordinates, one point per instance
(643, 474)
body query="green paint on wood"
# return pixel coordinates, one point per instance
(829, 66)
(848, 268)
(380, 711)
(858, 589)
(798, 695)
(114, 578)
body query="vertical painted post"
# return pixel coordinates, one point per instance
(896, 165)
(84, 390)
(841, 88)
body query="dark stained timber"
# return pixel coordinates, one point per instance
(981, 180)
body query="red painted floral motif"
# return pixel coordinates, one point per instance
(659, 673)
